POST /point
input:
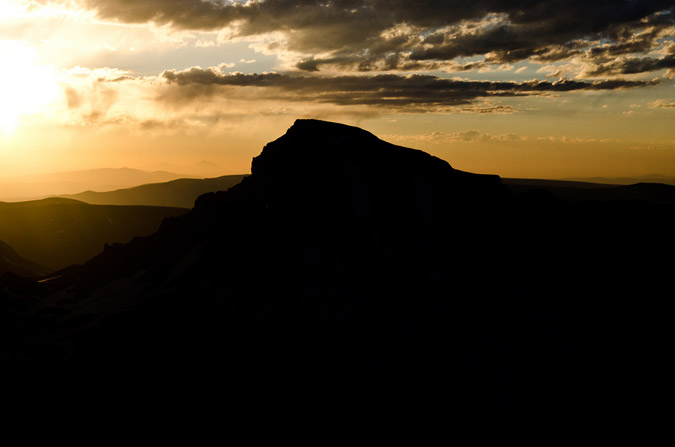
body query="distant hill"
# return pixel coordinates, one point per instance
(176, 193)
(530, 183)
(59, 232)
(11, 261)
(572, 191)
(73, 182)
(649, 178)
(203, 168)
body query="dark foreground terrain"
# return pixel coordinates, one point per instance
(11, 261)
(348, 280)
(58, 232)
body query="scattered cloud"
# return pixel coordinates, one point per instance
(470, 136)
(479, 137)
(662, 103)
(201, 43)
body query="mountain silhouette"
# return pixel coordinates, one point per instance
(11, 261)
(201, 169)
(179, 193)
(26, 187)
(58, 232)
(649, 178)
(656, 193)
(348, 279)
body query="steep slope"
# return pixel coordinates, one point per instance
(348, 279)
(11, 261)
(59, 232)
(180, 193)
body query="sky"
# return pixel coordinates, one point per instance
(518, 88)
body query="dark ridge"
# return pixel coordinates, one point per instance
(350, 280)
(577, 192)
(180, 193)
(40, 202)
(12, 262)
(58, 232)
(542, 183)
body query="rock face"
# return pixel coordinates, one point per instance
(351, 279)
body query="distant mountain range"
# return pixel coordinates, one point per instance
(649, 178)
(176, 193)
(203, 168)
(73, 182)
(353, 281)
(573, 191)
(59, 232)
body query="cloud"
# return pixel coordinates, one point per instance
(381, 35)
(472, 136)
(462, 137)
(101, 96)
(393, 62)
(73, 99)
(622, 66)
(662, 103)
(375, 90)
(182, 14)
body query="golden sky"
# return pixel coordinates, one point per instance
(519, 88)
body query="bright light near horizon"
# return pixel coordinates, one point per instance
(26, 88)
(13, 8)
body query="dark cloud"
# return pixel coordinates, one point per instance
(554, 31)
(183, 14)
(642, 44)
(558, 52)
(379, 90)
(625, 66)
(392, 62)
(380, 35)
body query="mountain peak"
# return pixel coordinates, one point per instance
(325, 163)
(327, 128)
(310, 144)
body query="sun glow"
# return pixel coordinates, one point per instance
(26, 88)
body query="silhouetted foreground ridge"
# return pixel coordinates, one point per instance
(10, 261)
(351, 279)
